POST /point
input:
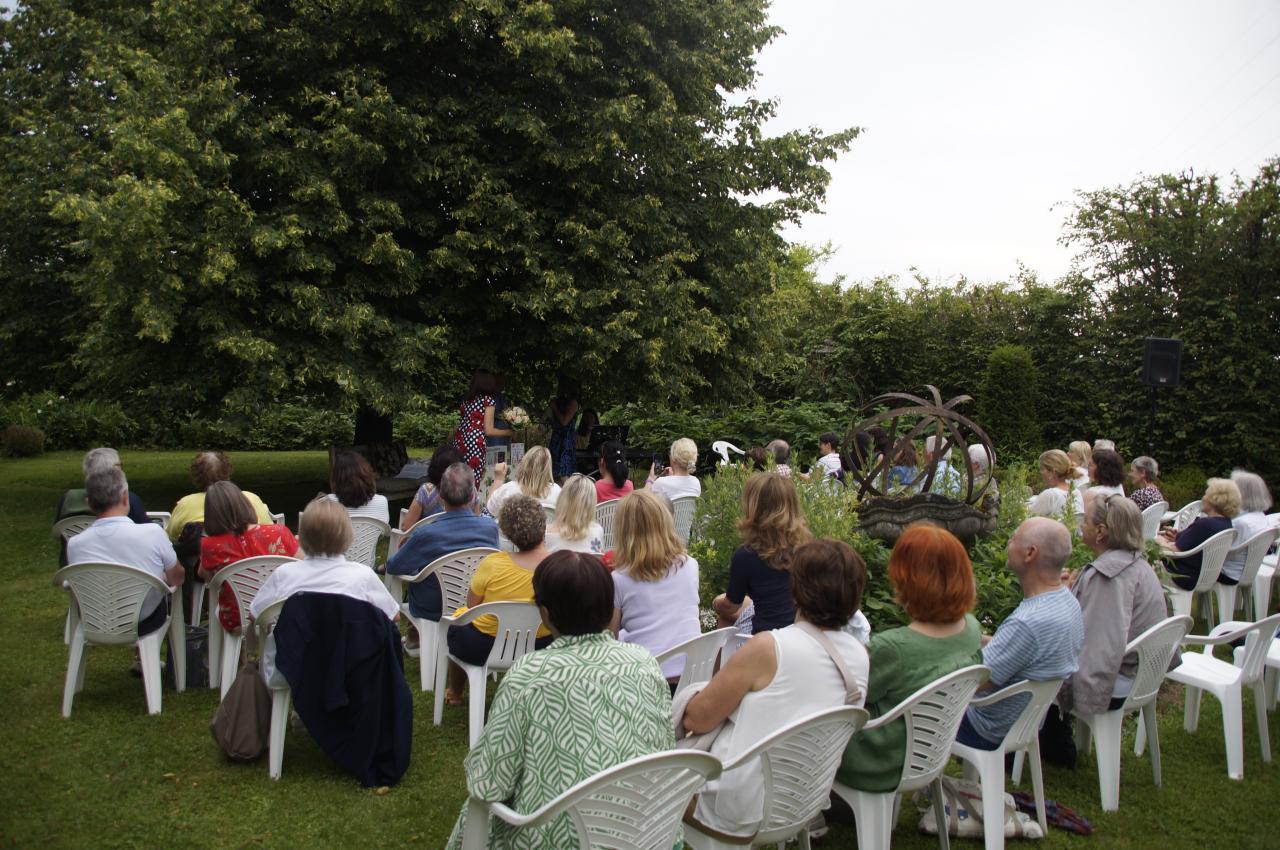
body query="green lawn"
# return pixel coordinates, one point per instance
(112, 776)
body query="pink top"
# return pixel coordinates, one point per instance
(605, 490)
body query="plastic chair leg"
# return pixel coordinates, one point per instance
(75, 671)
(1106, 728)
(1271, 678)
(1148, 725)
(475, 703)
(230, 661)
(1037, 785)
(1015, 775)
(197, 602)
(149, 653)
(279, 725)
(442, 672)
(1260, 709)
(1140, 739)
(874, 816)
(991, 777)
(178, 647)
(1191, 712)
(1233, 731)
(427, 646)
(1226, 594)
(1180, 602)
(215, 650)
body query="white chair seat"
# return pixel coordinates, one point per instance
(1205, 670)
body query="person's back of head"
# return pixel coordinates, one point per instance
(523, 521)
(1101, 444)
(647, 544)
(932, 575)
(483, 382)
(208, 467)
(907, 455)
(105, 489)
(1122, 520)
(1057, 462)
(1080, 453)
(980, 458)
(441, 459)
(832, 439)
(98, 459)
(576, 508)
(352, 479)
(1254, 495)
(1109, 466)
(457, 486)
(684, 454)
(1223, 496)
(325, 529)
(614, 457)
(781, 451)
(1051, 539)
(533, 475)
(772, 523)
(575, 592)
(226, 510)
(827, 580)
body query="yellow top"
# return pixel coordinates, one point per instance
(499, 579)
(190, 508)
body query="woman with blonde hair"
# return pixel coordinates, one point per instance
(1081, 454)
(1064, 490)
(677, 479)
(1218, 506)
(533, 478)
(655, 582)
(575, 527)
(772, 527)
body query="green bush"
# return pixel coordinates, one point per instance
(425, 428)
(71, 423)
(1007, 406)
(22, 441)
(1183, 485)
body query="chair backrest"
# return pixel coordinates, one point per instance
(933, 715)
(1151, 517)
(518, 624)
(637, 804)
(1186, 515)
(799, 763)
(109, 598)
(160, 518)
(70, 526)
(605, 512)
(246, 577)
(1027, 724)
(700, 656)
(454, 572)
(1255, 550)
(364, 541)
(1213, 554)
(685, 507)
(398, 536)
(1154, 648)
(722, 448)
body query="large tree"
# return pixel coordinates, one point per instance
(226, 201)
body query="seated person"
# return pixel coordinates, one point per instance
(1143, 472)
(232, 533)
(677, 479)
(828, 456)
(1255, 501)
(613, 482)
(500, 577)
(1063, 496)
(575, 525)
(905, 469)
(427, 500)
(781, 452)
(533, 478)
(1218, 506)
(354, 485)
(980, 462)
(1039, 641)
(1081, 453)
(933, 580)
(206, 468)
(778, 677)
(947, 480)
(115, 539)
(609, 704)
(459, 528)
(76, 502)
(1106, 476)
(772, 527)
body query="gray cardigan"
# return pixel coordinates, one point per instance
(1120, 597)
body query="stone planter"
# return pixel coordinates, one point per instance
(884, 518)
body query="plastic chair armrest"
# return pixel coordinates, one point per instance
(1002, 694)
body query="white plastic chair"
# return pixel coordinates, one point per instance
(1185, 515)
(637, 804)
(454, 572)
(518, 624)
(723, 447)
(684, 507)
(367, 533)
(160, 518)
(605, 512)
(1200, 671)
(278, 519)
(1262, 586)
(1255, 549)
(1271, 674)
(932, 715)
(798, 764)
(246, 578)
(700, 655)
(1212, 552)
(281, 695)
(1023, 736)
(70, 526)
(398, 536)
(108, 599)
(1154, 647)
(1151, 518)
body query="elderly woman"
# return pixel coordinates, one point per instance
(500, 577)
(1063, 494)
(933, 580)
(533, 478)
(1143, 472)
(232, 532)
(1081, 454)
(208, 468)
(1218, 506)
(1106, 476)
(677, 479)
(780, 676)
(655, 582)
(1255, 501)
(477, 421)
(427, 500)
(1120, 598)
(609, 704)
(353, 484)
(772, 527)
(575, 525)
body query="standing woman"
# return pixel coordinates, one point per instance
(564, 444)
(476, 422)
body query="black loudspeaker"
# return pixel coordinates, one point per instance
(1161, 362)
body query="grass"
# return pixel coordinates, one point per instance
(112, 776)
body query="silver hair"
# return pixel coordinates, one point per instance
(1148, 465)
(104, 488)
(780, 450)
(1254, 495)
(979, 454)
(458, 485)
(98, 459)
(1101, 444)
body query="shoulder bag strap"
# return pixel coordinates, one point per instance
(852, 693)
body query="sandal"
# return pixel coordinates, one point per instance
(452, 697)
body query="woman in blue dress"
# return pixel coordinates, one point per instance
(563, 445)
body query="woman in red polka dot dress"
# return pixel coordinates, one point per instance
(476, 421)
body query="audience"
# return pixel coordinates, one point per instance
(781, 451)
(1106, 476)
(1103, 445)
(1143, 472)
(677, 479)
(575, 525)
(1081, 455)
(772, 527)
(207, 468)
(231, 533)
(655, 582)
(947, 481)
(613, 483)
(427, 500)
(582, 705)
(1039, 641)
(1218, 506)
(76, 503)
(353, 484)
(533, 478)
(981, 459)
(903, 473)
(1063, 495)
(500, 577)
(781, 676)
(829, 455)
(1255, 501)
(933, 580)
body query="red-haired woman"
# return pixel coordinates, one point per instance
(933, 580)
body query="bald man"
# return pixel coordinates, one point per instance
(1040, 640)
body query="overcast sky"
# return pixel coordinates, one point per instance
(981, 119)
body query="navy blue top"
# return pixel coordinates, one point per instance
(454, 530)
(1192, 536)
(769, 589)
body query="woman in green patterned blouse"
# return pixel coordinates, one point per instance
(567, 712)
